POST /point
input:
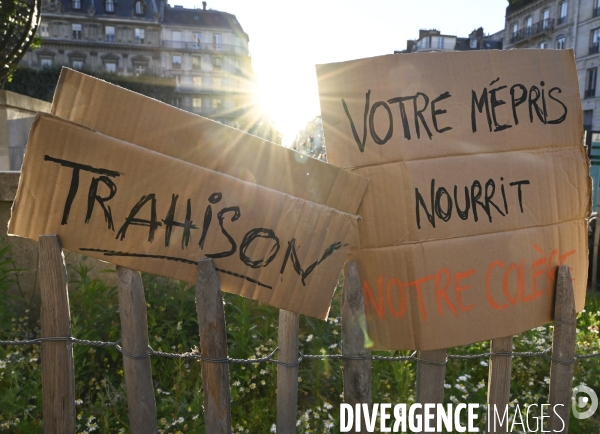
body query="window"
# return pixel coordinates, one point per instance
(176, 38)
(140, 34)
(216, 62)
(76, 4)
(197, 81)
(176, 61)
(197, 102)
(217, 103)
(597, 8)
(139, 8)
(590, 82)
(196, 62)
(197, 40)
(76, 31)
(109, 5)
(46, 62)
(528, 24)
(110, 66)
(217, 82)
(216, 42)
(473, 43)
(77, 63)
(543, 45)
(440, 43)
(109, 34)
(515, 29)
(561, 42)
(595, 41)
(546, 19)
(44, 30)
(563, 12)
(427, 42)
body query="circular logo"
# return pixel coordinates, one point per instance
(578, 403)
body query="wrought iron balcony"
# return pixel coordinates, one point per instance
(200, 46)
(535, 29)
(590, 93)
(594, 48)
(561, 20)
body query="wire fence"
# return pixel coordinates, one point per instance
(270, 358)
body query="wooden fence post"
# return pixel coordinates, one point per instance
(499, 383)
(430, 379)
(58, 372)
(287, 376)
(563, 352)
(213, 343)
(357, 373)
(138, 372)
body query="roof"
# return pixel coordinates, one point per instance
(122, 8)
(201, 18)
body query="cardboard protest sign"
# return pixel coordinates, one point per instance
(478, 189)
(140, 120)
(113, 200)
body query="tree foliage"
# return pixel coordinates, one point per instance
(19, 21)
(42, 83)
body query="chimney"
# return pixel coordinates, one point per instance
(204, 5)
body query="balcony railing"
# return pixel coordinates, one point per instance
(535, 29)
(590, 93)
(597, 12)
(594, 48)
(561, 20)
(198, 46)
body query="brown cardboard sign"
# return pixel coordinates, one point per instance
(143, 121)
(116, 201)
(478, 189)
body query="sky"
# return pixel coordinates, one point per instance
(287, 40)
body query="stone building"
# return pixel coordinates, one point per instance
(204, 50)
(434, 40)
(207, 52)
(311, 139)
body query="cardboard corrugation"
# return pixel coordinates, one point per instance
(45, 183)
(473, 280)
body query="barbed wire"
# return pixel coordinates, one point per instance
(270, 357)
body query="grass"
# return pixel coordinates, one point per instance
(252, 332)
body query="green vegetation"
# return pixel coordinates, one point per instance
(252, 332)
(42, 83)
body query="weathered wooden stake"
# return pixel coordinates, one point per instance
(499, 384)
(563, 350)
(138, 372)
(58, 372)
(430, 379)
(357, 373)
(213, 343)
(287, 376)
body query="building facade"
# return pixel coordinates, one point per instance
(203, 50)
(311, 140)
(433, 40)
